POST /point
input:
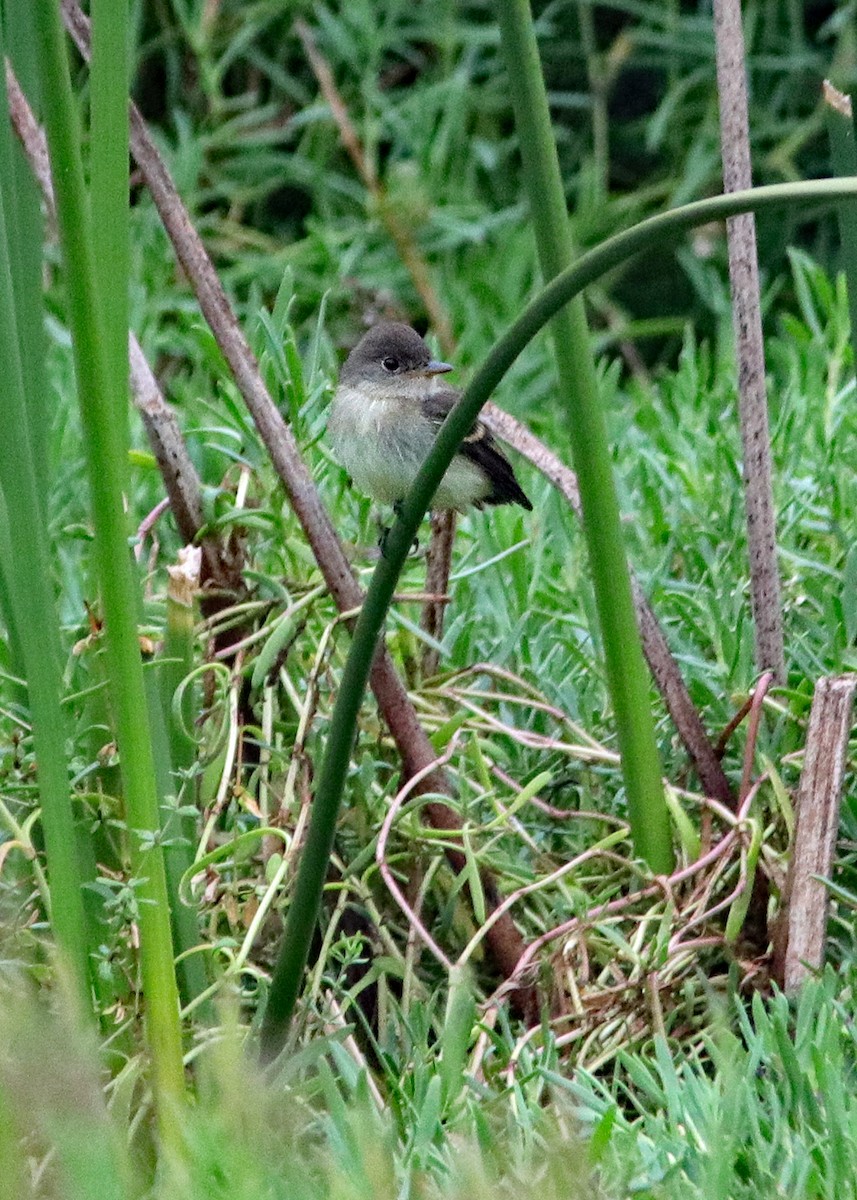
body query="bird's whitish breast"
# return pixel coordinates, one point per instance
(356, 415)
(366, 436)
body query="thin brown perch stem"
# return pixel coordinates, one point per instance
(438, 571)
(800, 935)
(733, 723)
(755, 931)
(437, 581)
(749, 346)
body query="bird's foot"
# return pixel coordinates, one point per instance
(385, 534)
(383, 537)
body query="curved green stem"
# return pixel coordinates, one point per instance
(664, 227)
(303, 909)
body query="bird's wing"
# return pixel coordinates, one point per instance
(480, 448)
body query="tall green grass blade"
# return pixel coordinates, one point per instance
(104, 425)
(627, 677)
(458, 1026)
(26, 250)
(843, 155)
(14, 654)
(25, 256)
(178, 843)
(175, 719)
(28, 579)
(110, 86)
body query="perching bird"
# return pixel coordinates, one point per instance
(385, 416)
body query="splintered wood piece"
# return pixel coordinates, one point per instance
(819, 794)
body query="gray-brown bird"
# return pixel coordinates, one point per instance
(389, 405)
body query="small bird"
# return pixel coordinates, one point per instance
(385, 416)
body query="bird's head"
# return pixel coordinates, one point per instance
(390, 353)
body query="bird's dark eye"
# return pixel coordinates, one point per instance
(390, 363)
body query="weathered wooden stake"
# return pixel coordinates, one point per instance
(799, 944)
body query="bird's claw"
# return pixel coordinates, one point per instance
(384, 535)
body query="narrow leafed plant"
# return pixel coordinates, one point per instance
(627, 678)
(842, 130)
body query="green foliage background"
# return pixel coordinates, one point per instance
(733, 1098)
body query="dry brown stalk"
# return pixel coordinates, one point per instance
(755, 710)
(438, 566)
(730, 727)
(747, 323)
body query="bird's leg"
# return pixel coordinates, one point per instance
(385, 532)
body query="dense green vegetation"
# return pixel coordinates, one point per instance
(656, 1069)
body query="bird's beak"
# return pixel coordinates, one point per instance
(438, 368)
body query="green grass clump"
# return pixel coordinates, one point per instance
(633, 103)
(770, 1111)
